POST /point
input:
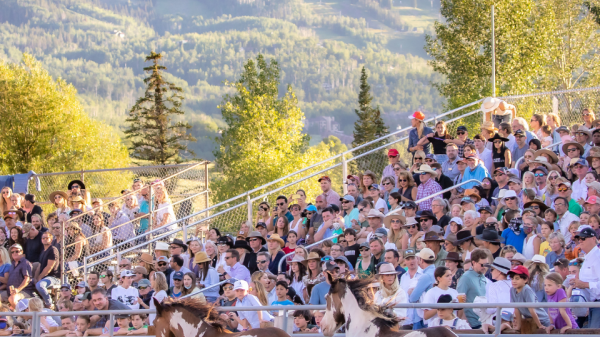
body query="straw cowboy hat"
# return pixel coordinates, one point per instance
(53, 194)
(145, 257)
(299, 259)
(549, 153)
(490, 104)
(162, 246)
(594, 153)
(387, 221)
(387, 269)
(374, 213)
(256, 234)
(410, 221)
(276, 237)
(201, 257)
(566, 146)
(585, 130)
(541, 160)
(427, 169)
(13, 210)
(77, 198)
(489, 126)
(470, 192)
(313, 256)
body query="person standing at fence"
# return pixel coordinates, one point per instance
(417, 121)
(164, 208)
(77, 188)
(121, 227)
(49, 270)
(498, 111)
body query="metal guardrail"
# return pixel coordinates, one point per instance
(305, 247)
(209, 287)
(35, 316)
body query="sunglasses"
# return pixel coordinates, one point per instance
(552, 177)
(261, 262)
(511, 198)
(365, 249)
(424, 173)
(174, 247)
(385, 184)
(539, 174)
(263, 209)
(102, 276)
(361, 209)
(572, 149)
(142, 288)
(123, 265)
(325, 259)
(411, 226)
(162, 264)
(228, 288)
(252, 240)
(342, 241)
(460, 133)
(392, 156)
(562, 190)
(281, 204)
(423, 220)
(418, 158)
(310, 213)
(347, 202)
(535, 207)
(55, 227)
(402, 180)
(395, 221)
(497, 142)
(397, 169)
(74, 187)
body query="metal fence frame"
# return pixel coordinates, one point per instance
(35, 325)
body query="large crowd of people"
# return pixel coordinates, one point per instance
(508, 215)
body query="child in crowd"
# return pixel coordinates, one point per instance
(123, 322)
(139, 327)
(318, 315)
(521, 292)
(83, 324)
(293, 297)
(301, 319)
(547, 229)
(68, 327)
(447, 318)
(285, 277)
(550, 216)
(281, 290)
(562, 318)
(546, 136)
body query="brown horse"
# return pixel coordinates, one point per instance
(349, 303)
(191, 318)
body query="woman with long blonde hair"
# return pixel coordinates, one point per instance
(258, 290)
(60, 201)
(529, 182)
(390, 293)
(551, 188)
(164, 208)
(396, 234)
(6, 203)
(406, 186)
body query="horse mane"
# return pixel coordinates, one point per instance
(360, 289)
(204, 311)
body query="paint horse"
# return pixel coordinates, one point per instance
(191, 318)
(348, 302)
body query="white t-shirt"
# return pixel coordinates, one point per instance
(488, 161)
(461, 324)
(128, 296)
(160, 297)
(432, 296)
(381, 204)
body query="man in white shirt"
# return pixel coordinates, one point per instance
(579, 169)
(408, 282)
(589, 274)
(248, 319)
(496, 292)
(561, 206)
(125, 293)
(483, 153)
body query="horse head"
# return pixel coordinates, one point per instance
(161, 323)
(334, 313)
(186, 318)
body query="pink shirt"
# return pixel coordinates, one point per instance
(332, 197)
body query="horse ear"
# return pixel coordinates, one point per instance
(159, 308)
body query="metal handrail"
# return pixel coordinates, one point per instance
(448, 189)
(138, 219)
(209, 287)
(311, 245)
(546, 147)
(134, 168)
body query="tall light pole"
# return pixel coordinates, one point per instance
(493, 57)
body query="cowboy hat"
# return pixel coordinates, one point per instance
(387, 269)
(77, 198)
(201, 257)
(566, 146)
(410, 221)
(427, 169)
(470, 192)
(78, 182)
(145, 257)
(242, 244)
(463, 236)
(179, 242)
(490, 104)
(490, 235)
(594, 153)
(498, 137)
(536, 201)
(425, 214)
(299, 259)
(510, 193)
(393, 216)
(519, 257)
(225, 240)
(489, 126)
(432, 236)
(162, 246)
(453, 256)
(13, 210)
(541, 160)
(276, 237)
(549, 153)
(314, 256)
(373, 213)
(256, 234)
(584, 129)
(53, 194)
(502, 265)
(452, 239)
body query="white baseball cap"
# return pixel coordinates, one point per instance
(127, 272)
(241, 284)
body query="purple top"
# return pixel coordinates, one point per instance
(555, 316)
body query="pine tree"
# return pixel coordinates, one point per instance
(368, 127)
(153, 134)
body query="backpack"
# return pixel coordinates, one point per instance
(580, 295)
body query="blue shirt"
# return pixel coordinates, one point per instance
(472, 284)
(424, 284)
(144, 208)
(286, 302)
(413, 139)
(239, 271)
(510, 238)
(318, 293)
(478, 173)
(288, 215)
(553, 257)
(353, 215)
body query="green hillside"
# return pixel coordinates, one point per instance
(99, 46)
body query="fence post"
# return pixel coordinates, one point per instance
(285, 318)
(206, 187)
(249, 206)
(63, 262)
(111, 325)
(82, 175)
(85, 269)
(118, 271)
(150, 215)
(184, 229)
(498, 321)
(344, 174)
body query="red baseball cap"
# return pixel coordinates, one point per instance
(418, 115)
(393, 152)
(324, 178)
(519, 270)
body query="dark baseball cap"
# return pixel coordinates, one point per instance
(587, 233)
(178, 276)
(461, 128)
